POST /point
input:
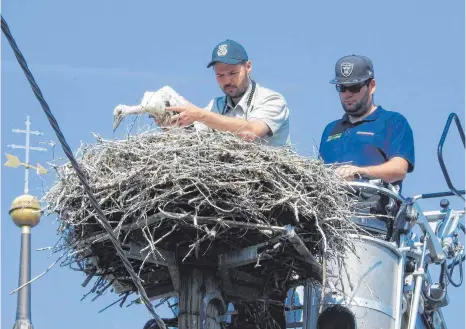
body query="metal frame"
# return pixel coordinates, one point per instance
(376, 189)
(451, 117)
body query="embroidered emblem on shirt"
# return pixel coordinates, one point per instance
(346, 69)
(222, 50)
(332, 137)
(365, 133)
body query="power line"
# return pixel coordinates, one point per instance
(81, 176)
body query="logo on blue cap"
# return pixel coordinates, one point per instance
(228, 52)
(222, 50)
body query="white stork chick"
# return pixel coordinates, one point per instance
(153, 103)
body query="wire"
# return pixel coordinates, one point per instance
(463, 257)
(452, 268)
(442, 283)
(81, 176)
(461, 227)
(458, 260)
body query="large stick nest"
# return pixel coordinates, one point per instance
(181, 191)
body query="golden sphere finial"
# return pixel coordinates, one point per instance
(25, 211)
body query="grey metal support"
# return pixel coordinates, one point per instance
(23, 312)
(436, 251)
(400, 282)
(419, 274)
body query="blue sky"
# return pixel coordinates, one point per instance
(90, 56)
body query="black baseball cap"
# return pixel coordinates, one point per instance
(353, 69)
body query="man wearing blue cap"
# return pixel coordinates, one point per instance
(247, 109)
(367, 140)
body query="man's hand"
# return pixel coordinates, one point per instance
(187, 114)
(393, 170)
(350, 172)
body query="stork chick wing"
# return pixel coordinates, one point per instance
(156, 103)
(171, 96)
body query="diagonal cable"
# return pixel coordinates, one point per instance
(81, 176)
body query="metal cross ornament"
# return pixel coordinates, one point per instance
(14, 162)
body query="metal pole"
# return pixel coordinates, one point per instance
(23, 312)
(400, 283)
(417, 288)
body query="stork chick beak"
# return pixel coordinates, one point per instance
(116, 121)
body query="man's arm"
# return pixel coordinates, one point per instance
(248, 130)
(265, 119)
(391, 171)
(189, 113)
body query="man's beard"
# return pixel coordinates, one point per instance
(359, 108)
(240, 91)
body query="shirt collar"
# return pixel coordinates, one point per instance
(243, 101)
(371, 117)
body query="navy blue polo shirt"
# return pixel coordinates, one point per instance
(376, 139)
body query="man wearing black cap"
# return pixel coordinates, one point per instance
(247, 109)
(367, 140)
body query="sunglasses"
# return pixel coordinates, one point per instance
(355, 88)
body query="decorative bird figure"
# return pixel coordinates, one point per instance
(153, 103)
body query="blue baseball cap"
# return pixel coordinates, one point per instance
(353, 69)
(228, 52)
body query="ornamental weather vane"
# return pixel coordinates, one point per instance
(14, 162)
